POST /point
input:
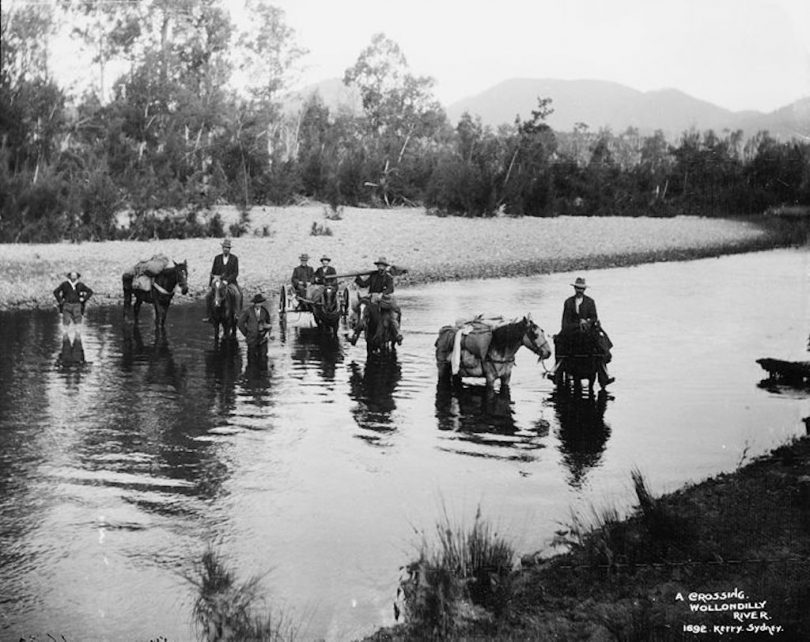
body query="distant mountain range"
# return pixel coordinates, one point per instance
(598, 104)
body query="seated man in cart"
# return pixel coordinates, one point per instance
(581, 334)
(324, 275)
(380, 286)
(302, 277)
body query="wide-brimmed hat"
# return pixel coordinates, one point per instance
(226, 243)
(258, 298)
(325, 258)
(303, 257)
(579, 282)
(382, 261)
(76, 272)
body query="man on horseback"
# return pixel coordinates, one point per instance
(71, 297)
(226, 268)
(579, 318)
(302, 276)
(380, 286)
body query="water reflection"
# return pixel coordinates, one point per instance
(486, 420)
(372, 388)
(582, 432)
(223, 366)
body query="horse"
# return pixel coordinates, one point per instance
(582, 353)
(163, 286)
(326, 311)
(224, 308)
(497, 363)
(375, 320)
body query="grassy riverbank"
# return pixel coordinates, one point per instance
(432, 248)
(732, 551)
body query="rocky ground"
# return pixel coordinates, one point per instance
(432, 248)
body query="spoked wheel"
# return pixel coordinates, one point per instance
(282, 300)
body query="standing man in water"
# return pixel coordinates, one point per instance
(71, 297)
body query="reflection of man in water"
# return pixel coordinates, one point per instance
(583, 432)
(71, 297)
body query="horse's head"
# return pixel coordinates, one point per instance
(535, 339)
(220, 289)
(330, 299)
(182, 275)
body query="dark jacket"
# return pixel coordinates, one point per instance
(322, 275)
(302, 274)
(382, 283)
(229, 272)
(66, 293)
(255, 328)
(570, 316)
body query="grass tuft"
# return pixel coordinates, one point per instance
(463, 577)
(227, 610)
(320, 230)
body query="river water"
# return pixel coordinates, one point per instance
(321, 472)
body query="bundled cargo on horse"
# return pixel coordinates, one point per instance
(144, 272)
(486, 347)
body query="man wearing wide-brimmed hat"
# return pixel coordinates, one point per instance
(226, 268)
(578, 317)
(302, 276)
(71, 297)
(380, 283)
(254, 324)
(324, 274)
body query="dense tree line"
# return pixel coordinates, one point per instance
(172, 134)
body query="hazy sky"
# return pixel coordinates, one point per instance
(739, 54)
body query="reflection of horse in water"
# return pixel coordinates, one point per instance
(583, 432)
(487, 350)
(161, 367)
(161, 294)
(372, 388)
(474, 409)
(225, 309)
(223, 366)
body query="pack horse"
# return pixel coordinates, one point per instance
(486, 347)
(154, 281)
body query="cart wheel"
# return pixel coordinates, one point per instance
(282, 300)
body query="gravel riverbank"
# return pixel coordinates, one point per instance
(431, 248)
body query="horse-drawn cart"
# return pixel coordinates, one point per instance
(293, 312)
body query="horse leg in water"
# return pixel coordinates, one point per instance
(160, 314)
(136, 308)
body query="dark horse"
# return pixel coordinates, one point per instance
(500, 355)
(327, 311)
(163, 286)
(225, 310)
(376, 320)
(583, 353)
